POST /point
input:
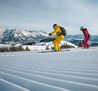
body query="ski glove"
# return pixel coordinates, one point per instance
(49, 34)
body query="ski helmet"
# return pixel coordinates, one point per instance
(81, 27)
(54, 25)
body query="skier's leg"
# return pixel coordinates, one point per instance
(57, 42)
(55, 45)
(87, 44)
(58, 46)
(59, 39)
(84, 44)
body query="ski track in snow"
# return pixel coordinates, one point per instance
(75, 70)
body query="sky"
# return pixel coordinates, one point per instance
(42, 14)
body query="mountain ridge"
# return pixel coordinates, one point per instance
(33, 36)
(21, 36)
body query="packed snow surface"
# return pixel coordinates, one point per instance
(69, 70)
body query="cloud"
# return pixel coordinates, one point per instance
(43, 13)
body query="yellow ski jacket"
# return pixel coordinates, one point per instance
(57, 31)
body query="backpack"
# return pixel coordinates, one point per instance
(63, 31)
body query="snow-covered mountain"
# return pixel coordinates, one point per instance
(21, 36)
(76, 39)
(27, 37)
(2, 29)
(94, 38)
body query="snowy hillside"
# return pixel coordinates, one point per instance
(21, 36)
(42, 46)
(25, 37)
(2, 29)
(76, 39)
(74, 70)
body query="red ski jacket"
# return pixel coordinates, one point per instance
(86, 34)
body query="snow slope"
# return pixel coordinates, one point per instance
(42, 46)
(74, 70)
(21, 36)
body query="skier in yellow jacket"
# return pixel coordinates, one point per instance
(60, 32)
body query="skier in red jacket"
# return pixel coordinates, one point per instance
(86, 37)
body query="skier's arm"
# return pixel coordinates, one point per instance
(55, 31)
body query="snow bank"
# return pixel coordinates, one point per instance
(74, 70)
(49, 45)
